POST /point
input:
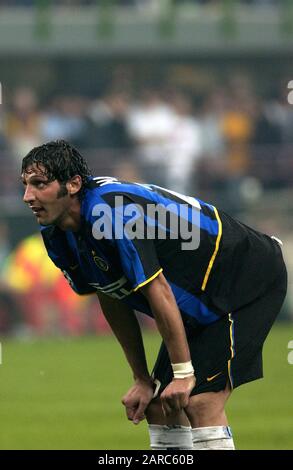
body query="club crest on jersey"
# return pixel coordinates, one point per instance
(100, 262)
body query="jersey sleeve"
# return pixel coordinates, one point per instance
(115, 216)
(137, 253)
(139, 261)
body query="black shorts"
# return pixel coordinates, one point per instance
(229, 350)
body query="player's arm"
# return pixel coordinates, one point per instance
(171, 328)
(125, 327)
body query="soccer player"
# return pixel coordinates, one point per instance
(213, 285)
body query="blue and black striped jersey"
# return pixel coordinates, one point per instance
(123, 244)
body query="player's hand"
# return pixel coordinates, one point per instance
(175, 397)
(137, 399)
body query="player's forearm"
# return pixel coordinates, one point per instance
(168, 319)
(125, 327)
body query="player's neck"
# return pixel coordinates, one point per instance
(71, 220)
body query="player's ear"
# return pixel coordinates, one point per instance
(74, 185)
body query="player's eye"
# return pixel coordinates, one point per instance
(40, 184)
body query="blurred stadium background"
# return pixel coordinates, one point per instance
(192, 95)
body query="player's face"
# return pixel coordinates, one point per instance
(49, 201)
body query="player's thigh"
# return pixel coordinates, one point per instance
(208, 407)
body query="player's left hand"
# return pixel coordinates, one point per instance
(137, 399)
(175, 397)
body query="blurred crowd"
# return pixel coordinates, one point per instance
(161, 135)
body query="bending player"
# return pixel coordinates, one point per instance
(214, 303)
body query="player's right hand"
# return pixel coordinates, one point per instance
(137, 399)
(175, 397)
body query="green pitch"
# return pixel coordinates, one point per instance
(65, 394)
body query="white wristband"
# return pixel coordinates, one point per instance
(182, 370)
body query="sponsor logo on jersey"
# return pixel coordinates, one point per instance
(116, 289)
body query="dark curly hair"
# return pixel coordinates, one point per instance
(60, 160)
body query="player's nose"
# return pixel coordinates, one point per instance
(28, 195)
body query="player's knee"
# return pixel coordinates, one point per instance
(154, 412)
